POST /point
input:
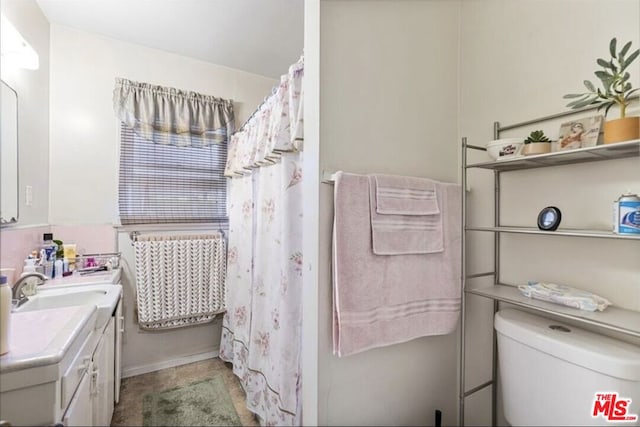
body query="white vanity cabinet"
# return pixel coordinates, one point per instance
(64, 367)
(93, 401)
(49, 356)
(102, 375)
(117, 354)
(79, 412)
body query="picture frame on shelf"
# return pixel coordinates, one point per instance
(579, 133)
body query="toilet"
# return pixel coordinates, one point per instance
(555, 374)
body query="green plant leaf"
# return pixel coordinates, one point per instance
(583, 103)
(605, 64)
(612, 47)
(624, 51)
(604, 95)
(629, 60)
(572, 104)
(629, 94)
(614, 67)
(536, 136)
(603, 74)
(608, 106)
(589, 86)
(616, 83)
(604, 77)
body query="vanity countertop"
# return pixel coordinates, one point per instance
(43, 337)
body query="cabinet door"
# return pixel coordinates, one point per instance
(119, 317)
(102, 378)
(79, 410)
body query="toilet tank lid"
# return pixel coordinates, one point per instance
(580, 347)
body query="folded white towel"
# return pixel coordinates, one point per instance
(405, 195)
(403, 234)
(565, 295)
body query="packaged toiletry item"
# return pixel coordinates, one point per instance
(70, 252)
(628, 214)
(9, 273)
(48, 254)
(58, 269)
(47, 266)
(65, 265)
(5, 314)
(49, 246)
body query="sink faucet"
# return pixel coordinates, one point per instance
(17, 290)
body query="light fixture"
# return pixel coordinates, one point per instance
(14, 48)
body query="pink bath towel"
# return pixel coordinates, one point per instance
(405, 195)
(381, 300)
(395, 234)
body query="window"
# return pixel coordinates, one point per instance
(162, 183)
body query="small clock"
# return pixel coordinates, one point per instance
(549, 218)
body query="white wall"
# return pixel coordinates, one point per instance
(32, 87)
(84, 130)
(517, 61)
(145, 351)
(84, 156)
(388, 104)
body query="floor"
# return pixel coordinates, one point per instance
(129, 411)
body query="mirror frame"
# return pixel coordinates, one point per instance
(14, 219)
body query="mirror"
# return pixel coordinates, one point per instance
(8, 155)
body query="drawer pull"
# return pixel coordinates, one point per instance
(95, 376)
(121, 320)
(84, 366)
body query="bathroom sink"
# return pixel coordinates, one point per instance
(40, 302)
(104, 296)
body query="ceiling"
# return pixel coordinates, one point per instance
(259, 36)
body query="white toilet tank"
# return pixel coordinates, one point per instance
(552, 374)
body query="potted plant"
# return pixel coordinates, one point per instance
(536, 143)
(616, 90)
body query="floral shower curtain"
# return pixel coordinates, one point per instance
(261, 332)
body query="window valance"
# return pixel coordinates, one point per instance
(148, 109)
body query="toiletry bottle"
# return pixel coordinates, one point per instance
(58, 269)
(5, 314)
(70, 254)
(48, 254)
(38, 262)
(29, 265)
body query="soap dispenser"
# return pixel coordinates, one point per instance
(29, 265)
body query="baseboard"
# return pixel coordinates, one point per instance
(144, 369)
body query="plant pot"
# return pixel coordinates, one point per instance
(620, 130)
(536, 148)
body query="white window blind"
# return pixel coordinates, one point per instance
(161, 183)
